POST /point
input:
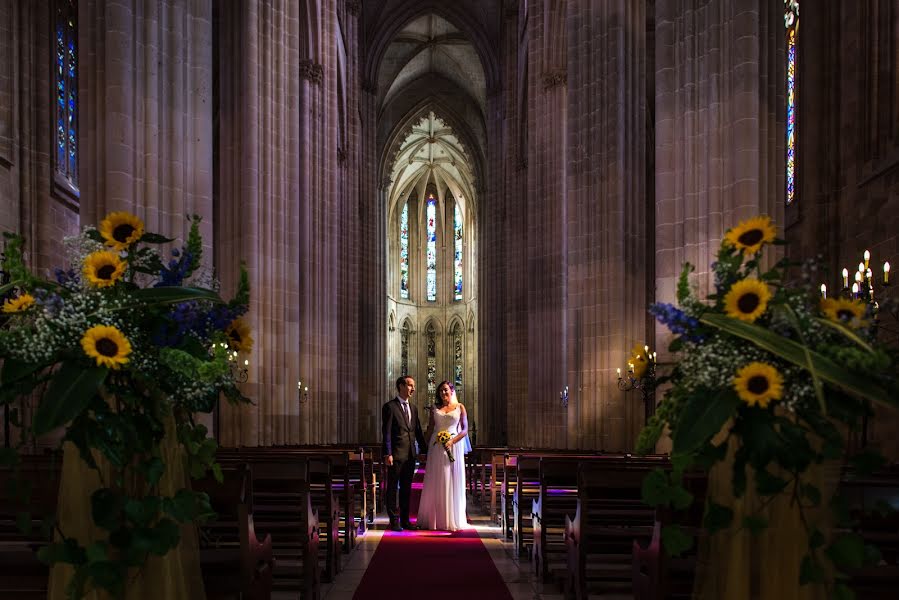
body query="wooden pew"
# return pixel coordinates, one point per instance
(609, 516)
(283, 509)
(527, 489)
(22, 575)
(235, 564)
(655, 574)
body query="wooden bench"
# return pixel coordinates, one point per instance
(22, 575)
(235, 564)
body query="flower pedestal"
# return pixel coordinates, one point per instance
(175, 575)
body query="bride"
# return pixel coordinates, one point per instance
(442, 505)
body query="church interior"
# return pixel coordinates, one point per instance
(498, 194)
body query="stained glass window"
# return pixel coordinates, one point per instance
(65, 90)
(791, 22)
(404, 252)
(432, 249)
(404, 349)
(432, 360)
(457, 258)
(457, 360)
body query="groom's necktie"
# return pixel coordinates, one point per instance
(406, 412)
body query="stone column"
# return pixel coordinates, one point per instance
(146, 112)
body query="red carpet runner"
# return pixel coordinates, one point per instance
(431, 565)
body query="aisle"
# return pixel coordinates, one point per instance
(431, 565)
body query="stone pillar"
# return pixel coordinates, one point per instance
(603, 211)
(259, 211)
(146, 112)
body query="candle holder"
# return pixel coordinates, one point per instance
(563, 397)
(646, 383)
(302, 393)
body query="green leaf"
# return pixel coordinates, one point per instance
(94, 235)
(810, 571)
(841, 591)
(172, 295)
(717, 517)
(755, 524)
(155, 469)
(655, 488)
(680, 497)
(14, 370)
(155, 238)
(795, 353)
(96, 552)
(846, 332)
(703, 417)
(217, 473)
(767, 484)
(106, 507)
(70, 391)
(676, 540)
(847, 551)
(683, 283)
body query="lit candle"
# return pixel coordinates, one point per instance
(855, 289)
(653, 357)
(858, 276)
(630, 367)
(845, 277)
(646, 350)
(861, 267)
(619, 372)
(246, 363)
(823, 291)
(886, 273)
(869, 275)
(867, 258)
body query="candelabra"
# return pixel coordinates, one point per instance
(864, 285)
(645, 381)
(563, 397)
(302, 393)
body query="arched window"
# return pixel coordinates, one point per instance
(432, 359)
(432, 249)
(404, 253)
(457, 258)
(791, 22)
(65, 92)
(404, 349)
(457, 359)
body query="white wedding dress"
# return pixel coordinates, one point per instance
(442, 505)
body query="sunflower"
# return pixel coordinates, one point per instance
(747, 299)
(843, 310)
(121, 229)
(749, 236)
(19, 304)
(758, 383)
(239, 338)
(103, 268)
(106, 344)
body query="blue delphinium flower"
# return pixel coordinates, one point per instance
(174, 274)
(677, 321)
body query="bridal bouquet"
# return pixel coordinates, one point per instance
(442, 438)
(121, 349)
(771, 377)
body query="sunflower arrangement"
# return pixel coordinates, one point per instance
(770, 378)
(120, 350)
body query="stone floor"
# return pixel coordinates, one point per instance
(517, 575)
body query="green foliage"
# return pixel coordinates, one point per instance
(828, 375)
(118, 418)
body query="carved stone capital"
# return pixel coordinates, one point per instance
(385, 183)
(312, 71)
(554, 78)
(353, 7)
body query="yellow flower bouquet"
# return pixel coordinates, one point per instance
(442, 438)
(769, 379)
(121, 350)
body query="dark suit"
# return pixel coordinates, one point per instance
(398, 440)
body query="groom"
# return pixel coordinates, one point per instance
(400, 429)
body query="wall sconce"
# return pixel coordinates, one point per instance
(641, 377)
(302, 393)
(563, 397)
(239, 373)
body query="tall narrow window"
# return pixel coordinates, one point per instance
(404, 349)
(457, 360)
(791, 22)
(432, 249)
(404, 252)
(432, 360)
(65, 90)
(457, 258)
